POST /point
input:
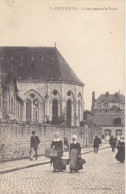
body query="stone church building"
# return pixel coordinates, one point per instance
(47, 86)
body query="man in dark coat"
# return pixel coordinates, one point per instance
(34, 145)
(96, 144)
(112, 142)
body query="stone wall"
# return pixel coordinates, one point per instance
(15, 138)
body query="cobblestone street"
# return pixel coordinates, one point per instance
(102, 174)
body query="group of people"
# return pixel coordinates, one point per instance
(57, 145)
(74, 153)
(120, 145)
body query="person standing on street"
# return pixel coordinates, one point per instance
(57, 145)
(34, 142)
(112, 142)
(96, 144)
(75, 152)
(120, 156)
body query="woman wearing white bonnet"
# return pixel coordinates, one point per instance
(57, 145)
(75, 151)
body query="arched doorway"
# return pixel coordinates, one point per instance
(69, 113)
(54, 111)
(28, 110)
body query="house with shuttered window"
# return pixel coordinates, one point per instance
(108, 115)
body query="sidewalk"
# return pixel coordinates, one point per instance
(10, 166)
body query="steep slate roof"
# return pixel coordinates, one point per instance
(39, 63)
(106, 119)
(112, 98)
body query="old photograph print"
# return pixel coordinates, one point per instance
(62, 99)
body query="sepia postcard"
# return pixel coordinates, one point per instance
(62, 96)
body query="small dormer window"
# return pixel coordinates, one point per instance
(117, 121)
(116, 95)
(105, 105)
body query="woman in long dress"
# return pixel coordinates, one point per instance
(75, 151)
(57, 145)
(120, 156)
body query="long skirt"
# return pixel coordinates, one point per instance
(57, 163)
(120, 156)
(74, 158)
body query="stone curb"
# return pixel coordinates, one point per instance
(93, 150)
(37, 164)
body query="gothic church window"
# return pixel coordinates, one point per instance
(79, 110)
(69, 112)
(12, 105)
(28, 110)
(9, 103)
(18, 111)
(54, 111)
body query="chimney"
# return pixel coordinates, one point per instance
(116, 94)
(107, 94)
(93, 100)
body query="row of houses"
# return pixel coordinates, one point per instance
(107, 115)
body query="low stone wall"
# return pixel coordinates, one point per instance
(15, 138)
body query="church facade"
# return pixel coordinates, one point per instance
(46, 84)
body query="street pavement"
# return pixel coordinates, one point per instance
(102, 174)
(10, 166)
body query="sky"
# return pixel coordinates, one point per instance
(90, 36)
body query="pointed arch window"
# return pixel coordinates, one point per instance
(28, 110)
(69, 113)
(79, 111)
(54, 111)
